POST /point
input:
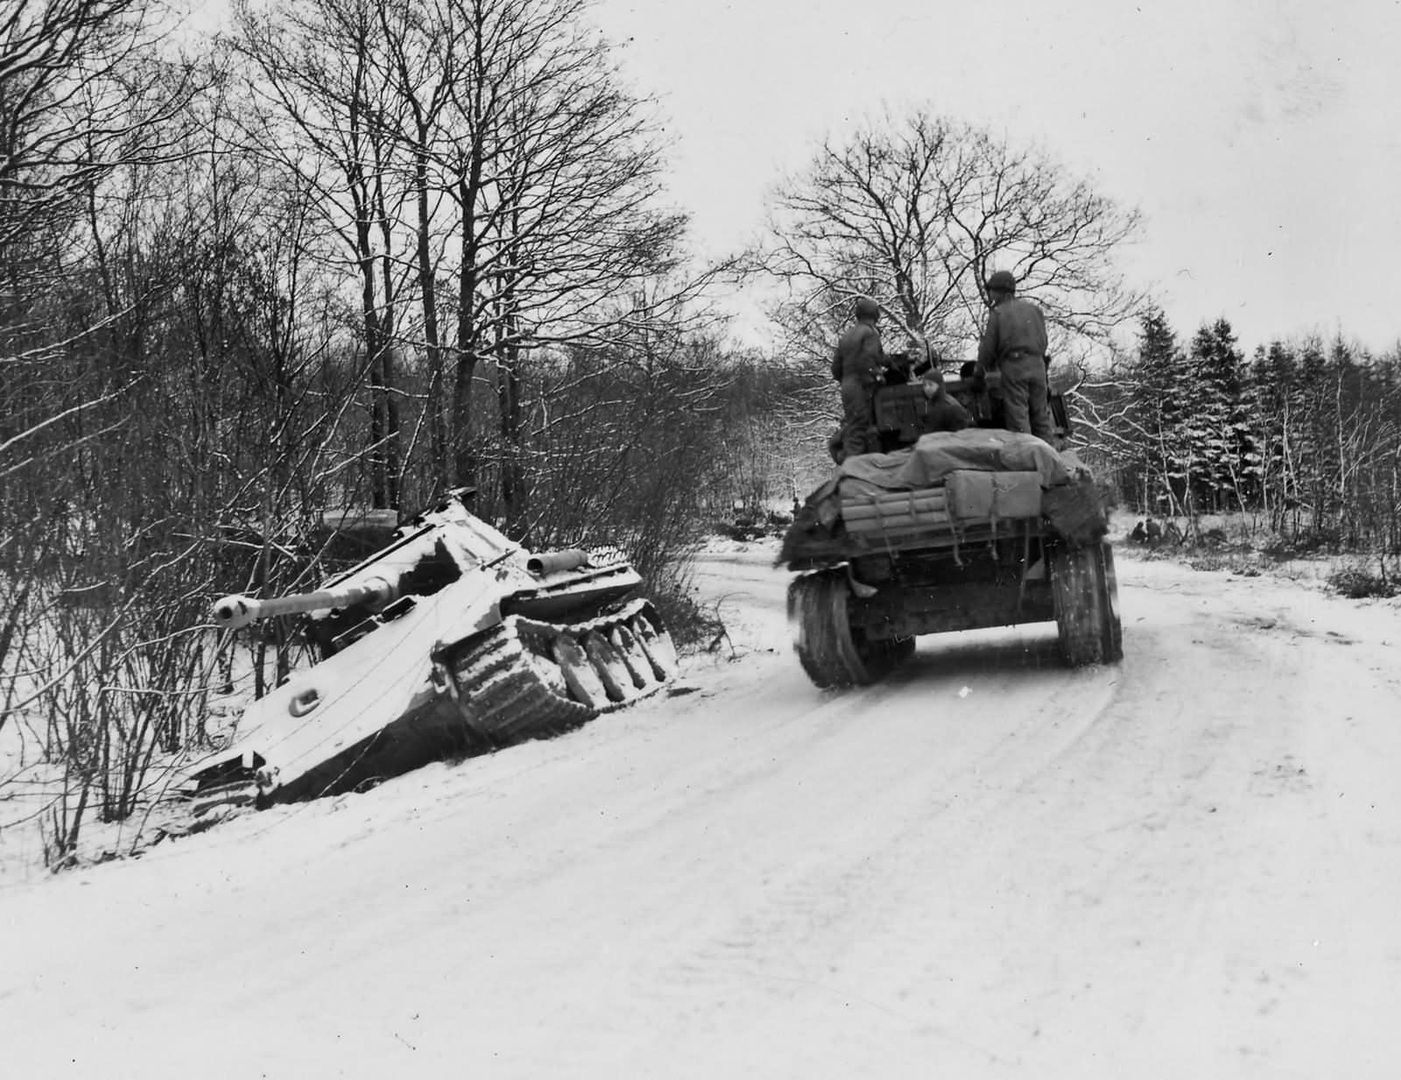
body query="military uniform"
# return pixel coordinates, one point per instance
(944, 413)
(1014, 344)
(856, 365)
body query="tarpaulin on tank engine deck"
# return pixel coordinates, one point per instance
(924, 465)
(936, 455)
(932, 458)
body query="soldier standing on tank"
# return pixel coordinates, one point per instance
(857, 365)
(1014, 344)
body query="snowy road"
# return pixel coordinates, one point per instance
(990, 866)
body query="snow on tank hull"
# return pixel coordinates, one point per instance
(450, 641)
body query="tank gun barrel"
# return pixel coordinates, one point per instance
(236, 612)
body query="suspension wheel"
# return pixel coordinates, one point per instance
(654, 642)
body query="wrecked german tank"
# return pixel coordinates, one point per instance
(452, 640)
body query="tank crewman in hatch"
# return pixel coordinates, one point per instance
(942, 413)
(857, 365)
(1014, 344)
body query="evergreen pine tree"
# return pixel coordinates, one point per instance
(1216, 431)
(1157, 412)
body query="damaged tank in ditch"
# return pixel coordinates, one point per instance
(451, 641)
(949, 531)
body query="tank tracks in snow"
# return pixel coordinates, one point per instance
(527, 679)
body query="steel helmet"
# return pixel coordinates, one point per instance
(866, 308)
(1002, 281)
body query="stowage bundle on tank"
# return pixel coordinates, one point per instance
(450, 640)
(962, 530)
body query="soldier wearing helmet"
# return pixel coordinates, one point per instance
(1014, 344)
(943, 412)
(857, 365)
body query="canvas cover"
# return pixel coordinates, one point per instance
(982, 496)
(932, 458)
(927, 464)
(936, 455)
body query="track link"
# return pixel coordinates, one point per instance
(526, 679)
(832, 652)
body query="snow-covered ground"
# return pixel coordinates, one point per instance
(1187, 866)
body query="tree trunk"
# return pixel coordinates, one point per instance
(514, 493)
(428, 296)
(468, 355)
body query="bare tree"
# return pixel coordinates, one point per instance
(554, 172)
(90, 107)
(81, 91)
(320, 68)
(499, 177)
(916, 212)
(421, 73)
(81, 95)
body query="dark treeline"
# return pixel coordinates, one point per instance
(1303, 438)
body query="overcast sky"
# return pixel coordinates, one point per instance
(1261, 140)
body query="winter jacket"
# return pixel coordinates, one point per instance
(859, 353)
(1015, 327)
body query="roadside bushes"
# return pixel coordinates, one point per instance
(1357, 582)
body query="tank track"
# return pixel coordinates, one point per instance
(1086, 592)
(832, 652)
(527, 679)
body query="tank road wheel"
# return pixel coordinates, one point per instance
(1086, 595)
(584, 684)
(615, 659)
(525, 679)
(831, 650)
(544, 666)
(608, 663)
(655, 644)
(628, 647)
